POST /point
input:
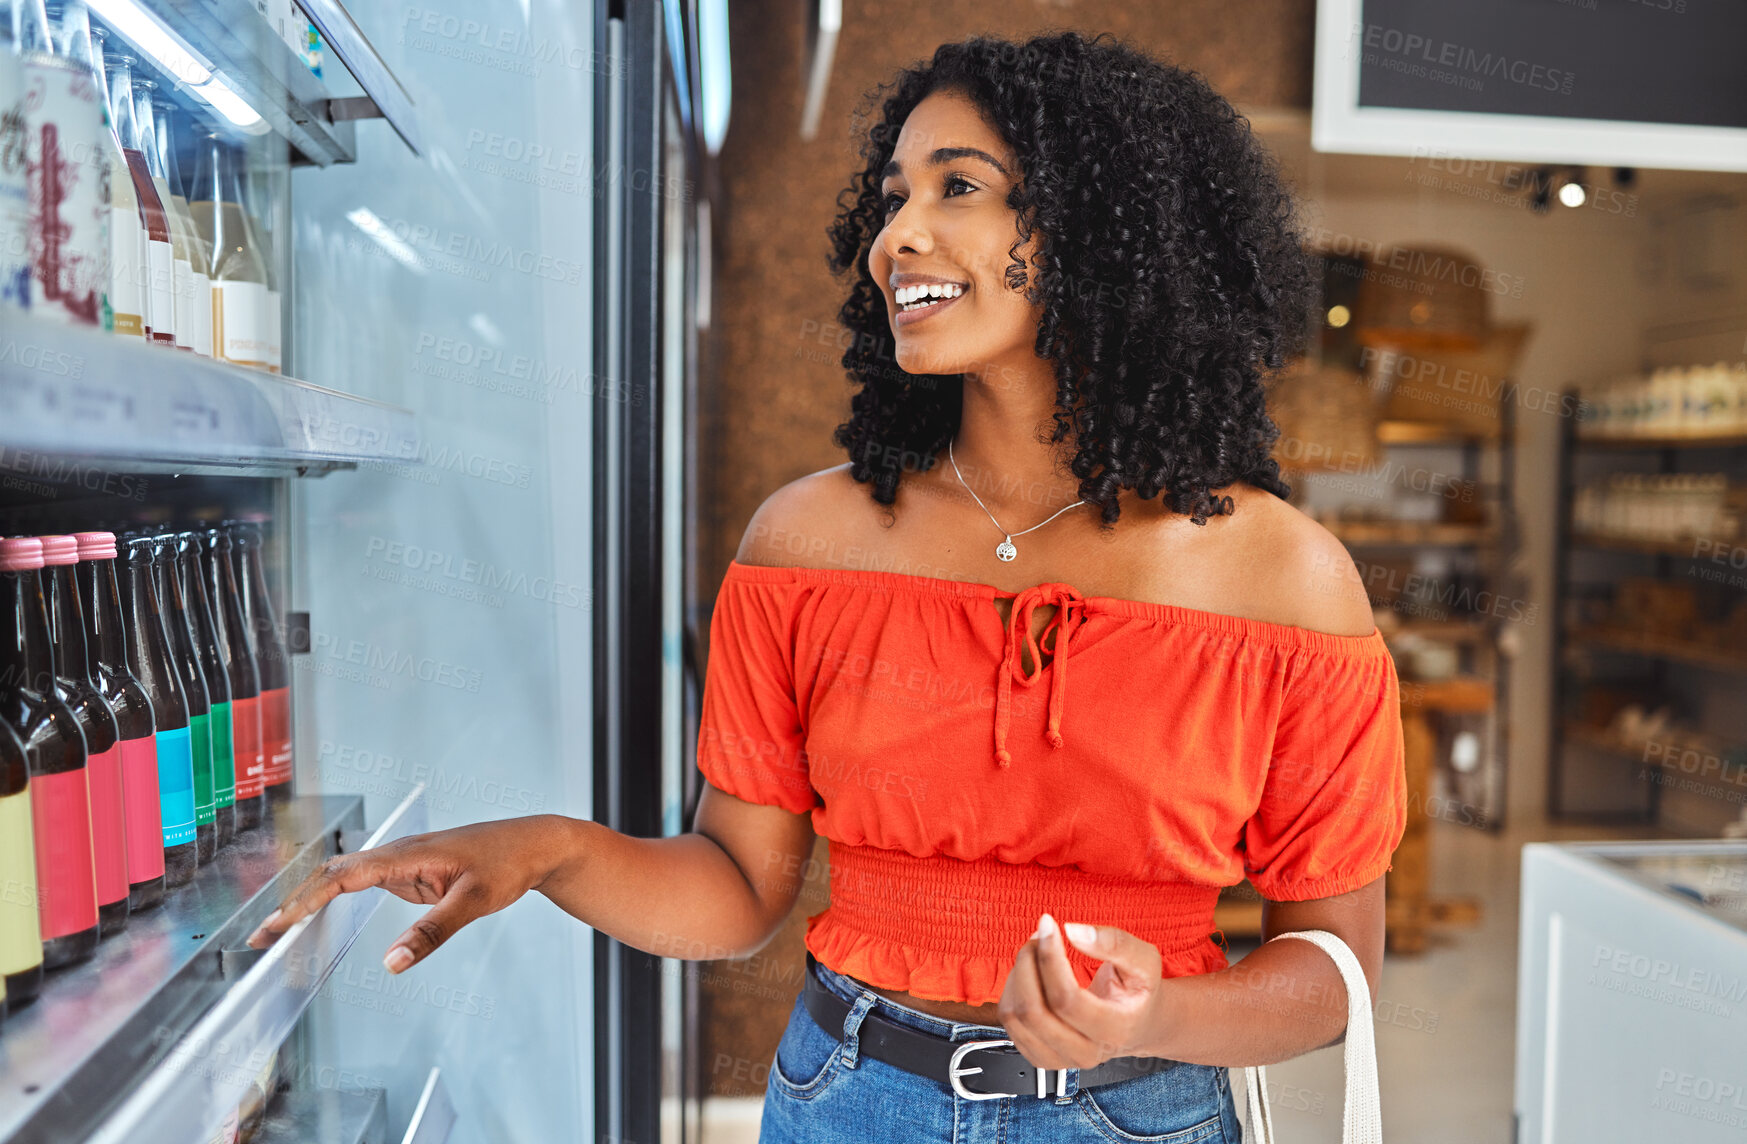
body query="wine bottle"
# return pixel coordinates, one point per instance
(14, 178)
(150, 662)
(178, 625)
(106, 649)
(237, 647)
(97, 723)
(271, 661)
(240, 331)
(54, 748)
(199, 252)
(160, 268)
(204, 628)
(20, 931)
(182, 246)
(125, 300)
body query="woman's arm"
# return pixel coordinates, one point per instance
(1284, 999)
(721, 891)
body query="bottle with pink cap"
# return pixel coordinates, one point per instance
(54, 748)
(106, 651)
(20, 931)
(148, 658)
(73, 680)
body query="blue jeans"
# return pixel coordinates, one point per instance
(822, 1090)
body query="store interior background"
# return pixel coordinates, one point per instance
(1601, 287)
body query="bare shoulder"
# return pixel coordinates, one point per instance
(800, 521)
(1307, 576)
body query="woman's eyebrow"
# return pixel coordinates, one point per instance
(946, 155)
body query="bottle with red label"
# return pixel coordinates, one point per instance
(204, 628)
(20, 931)
(54, 747)
(60, 556)
(106, 653)
(149, 659)
(270, 660)
(237, 647)
(179, 627)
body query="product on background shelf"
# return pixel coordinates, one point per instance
(20, 931)
(182, 239)
(160, 267)
(270, 660)
(204, 628)
(236, 646)
(254, 186)
(1676, 401)
(68, 173)
(178, 625)
(60, 796)
(97, 723)
(126, 298)
(149, 659)
(240, 319)
(14, 179)
(1662, 506)
(199, 253)
(106, 647)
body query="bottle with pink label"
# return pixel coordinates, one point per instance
(106, 649)
(271, 661)
(54, 747)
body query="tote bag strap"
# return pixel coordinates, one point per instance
(1363, 1119)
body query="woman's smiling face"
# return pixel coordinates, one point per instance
(946, 221)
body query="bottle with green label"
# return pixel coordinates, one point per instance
(204, 628)
(187, 663)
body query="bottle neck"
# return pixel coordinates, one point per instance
(70, 648)
(27, 658)
(105, 638)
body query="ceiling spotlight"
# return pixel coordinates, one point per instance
(1339, 316)
(1572, 194)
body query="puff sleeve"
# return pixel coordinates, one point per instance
(1334, 804)
(751, 743)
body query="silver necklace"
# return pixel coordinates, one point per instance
(1005, 549)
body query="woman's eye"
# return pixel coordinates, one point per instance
(951, 182)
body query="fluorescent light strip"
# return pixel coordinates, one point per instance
(176, 59)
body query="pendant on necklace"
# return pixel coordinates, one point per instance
(1005, 549)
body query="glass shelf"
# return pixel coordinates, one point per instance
(73, 391)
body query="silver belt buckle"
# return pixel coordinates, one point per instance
(954, 1071)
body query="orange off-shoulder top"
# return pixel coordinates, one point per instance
(1151, 755)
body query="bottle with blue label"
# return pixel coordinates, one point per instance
(150, 661)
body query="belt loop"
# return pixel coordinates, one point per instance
(852, 1027)
(1066, 1094)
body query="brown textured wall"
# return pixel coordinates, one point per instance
(776, 392)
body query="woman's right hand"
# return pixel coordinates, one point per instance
(463, 874)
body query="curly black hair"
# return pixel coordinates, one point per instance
(1138, 177)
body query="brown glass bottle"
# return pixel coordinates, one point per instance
(148, 658)
(238, 650)
(270, 660)
(106, 648)
(204, 628)
(20, 931)
(178, 625)
(54, 747)
(97, 723)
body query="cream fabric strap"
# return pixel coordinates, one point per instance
(1363, 1120)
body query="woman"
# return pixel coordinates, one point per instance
(1071, 266)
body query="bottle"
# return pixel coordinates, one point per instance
(237, 648)
(20, 931)
(257, 199)
(271, 661)
(239, 281)
(149, 660)
(54, 749)
(199, 252)
(68, 171)
(204, 628)
(181, 248)
(178, 624)
(14, 177)
(106, 650)
(124, 301)
(97, 723)
(160, 267)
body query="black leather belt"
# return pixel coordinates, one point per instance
(999, 1069)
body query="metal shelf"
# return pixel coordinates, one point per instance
(329, 1116)
(74, 391)
(158, 1032)
(237, 42)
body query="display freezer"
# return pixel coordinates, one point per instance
(468, 468)
(1632, 993)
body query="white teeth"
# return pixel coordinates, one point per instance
(908, 294)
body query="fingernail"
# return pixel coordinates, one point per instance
(1082, 933)
(270, 919)
(398, 959)
(1045, 927)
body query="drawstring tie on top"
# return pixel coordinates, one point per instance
(1069, 615)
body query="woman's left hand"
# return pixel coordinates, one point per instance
(1055, 1024)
